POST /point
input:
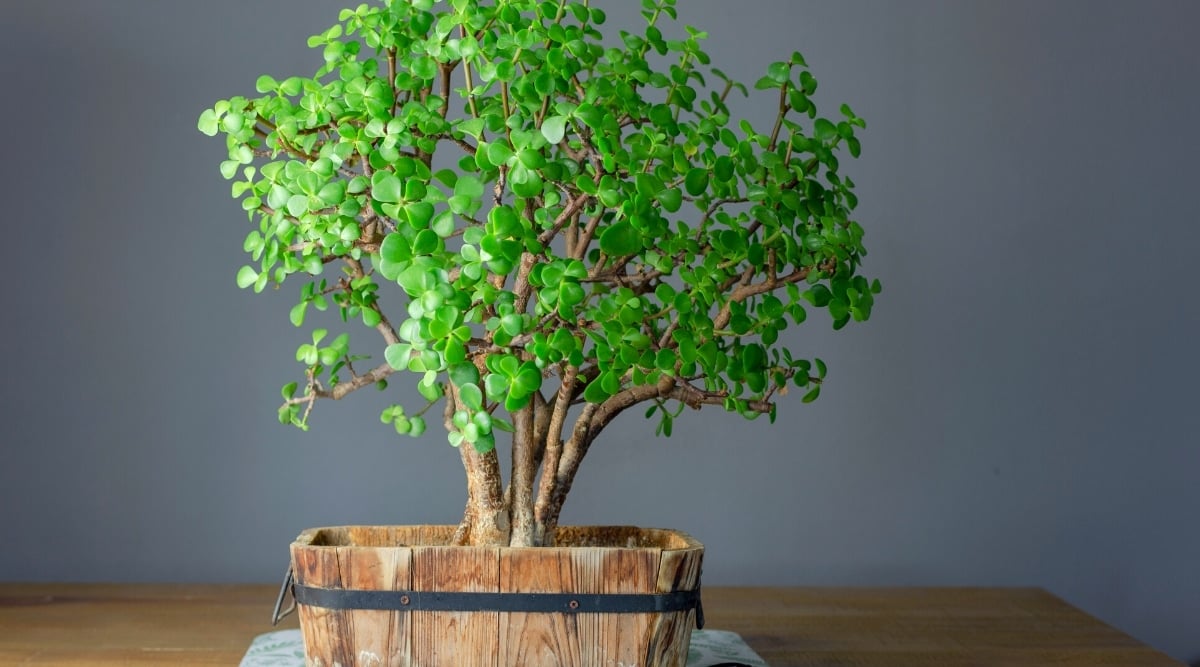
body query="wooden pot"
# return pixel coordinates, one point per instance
(416, 559)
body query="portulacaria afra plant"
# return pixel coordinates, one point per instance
(577, 229)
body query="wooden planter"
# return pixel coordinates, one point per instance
(591, 560)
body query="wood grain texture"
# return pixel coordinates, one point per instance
(534, 639)
(109, 625)
(588, 560)
(468, 639)
(678, 570)
(380, 637)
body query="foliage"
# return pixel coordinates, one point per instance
(601, 232)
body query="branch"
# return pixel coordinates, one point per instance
(470, 81)
(573, 452)
(572, 208)
(342, 389)
(523, 472)
(462, 143)
(626, 398)
(747, 290)
(696, 398)
(280, 142)
(783, 109)
(521, 288)
(384, 327)
(554, 446)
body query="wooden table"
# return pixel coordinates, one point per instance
(98, 625)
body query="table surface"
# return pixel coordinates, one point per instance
(182, 625)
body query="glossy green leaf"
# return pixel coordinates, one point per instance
(554, 128)
(471, 397)
(246, 277)
(620, 239)
(386, 187)
(696, 181)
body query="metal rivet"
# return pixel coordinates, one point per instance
(573, 604)
(404, 599)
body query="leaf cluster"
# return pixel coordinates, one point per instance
(604, 212)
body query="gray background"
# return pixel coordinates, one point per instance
(1020, 410)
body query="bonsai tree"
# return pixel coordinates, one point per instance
(577, 230)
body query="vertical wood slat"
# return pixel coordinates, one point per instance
(361, 636)
(324, 641)
(381, 637)
(606, 560)
(614, 639)
(538, 639)
(678, 570)
(462, 639)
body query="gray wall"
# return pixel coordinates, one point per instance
(1020, 411)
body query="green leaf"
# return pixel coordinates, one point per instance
(648, 184)
(371, 317)
(297, 205)
(595, 393)
(671, 199)
(431, 391)
(419, 213)
(246, 277)
(386, 187)
(498, 153)
(817, 295)
(824, 130)
(395, 249)
(696, 182)
(532, 159)
(397, 355)
(779, 72)
(426, 243)
(528, 379)
(723, 169)
(554, 128)
(469, 186)
(496, 385)
(423, 67)
(512, 324)
(484, 442)
(208, 123)
(443, 224)
(471, 397)
(297, 314)
(265, 84)
(462, 374)
(620, 239)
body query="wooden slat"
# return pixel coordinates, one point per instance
(613, 639)
(380, 637)
(327, 632)
(463, 639)
(678, 570)
(536, 639)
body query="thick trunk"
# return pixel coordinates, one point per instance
(486, 521)
(495, 517)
